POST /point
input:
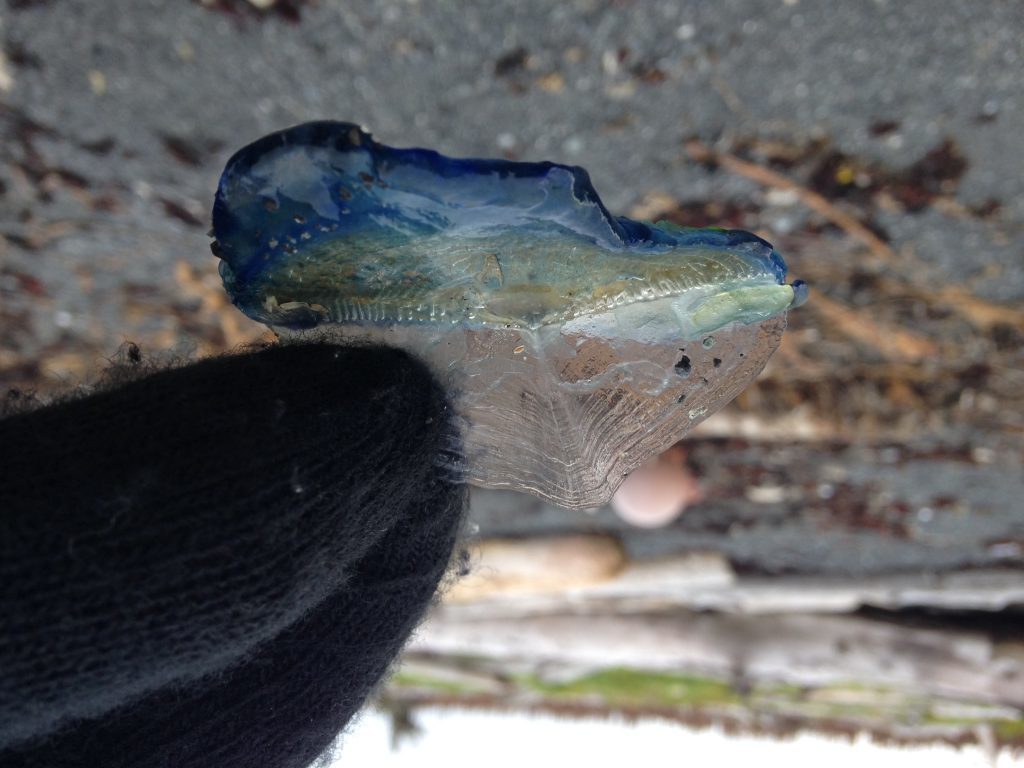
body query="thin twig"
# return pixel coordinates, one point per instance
(893, 342)
(702, 153)
(979, 312)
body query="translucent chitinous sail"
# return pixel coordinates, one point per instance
(575, 344)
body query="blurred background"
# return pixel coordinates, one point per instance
(839, 553)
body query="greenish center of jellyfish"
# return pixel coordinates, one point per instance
(555, 325)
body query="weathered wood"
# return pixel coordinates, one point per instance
(538, 566)
(549, 576)
(819, 509)
(799, 649)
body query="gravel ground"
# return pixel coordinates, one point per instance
(117, 117)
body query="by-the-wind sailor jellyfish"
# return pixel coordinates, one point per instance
(576, 344)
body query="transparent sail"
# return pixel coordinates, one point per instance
(575, 344)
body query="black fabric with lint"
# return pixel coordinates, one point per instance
(216, 564)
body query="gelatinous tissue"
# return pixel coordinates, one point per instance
(576, 344)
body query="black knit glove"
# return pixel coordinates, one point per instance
(215, 565)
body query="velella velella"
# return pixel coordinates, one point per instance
(575, 344)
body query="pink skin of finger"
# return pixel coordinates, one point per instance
(659, 492)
